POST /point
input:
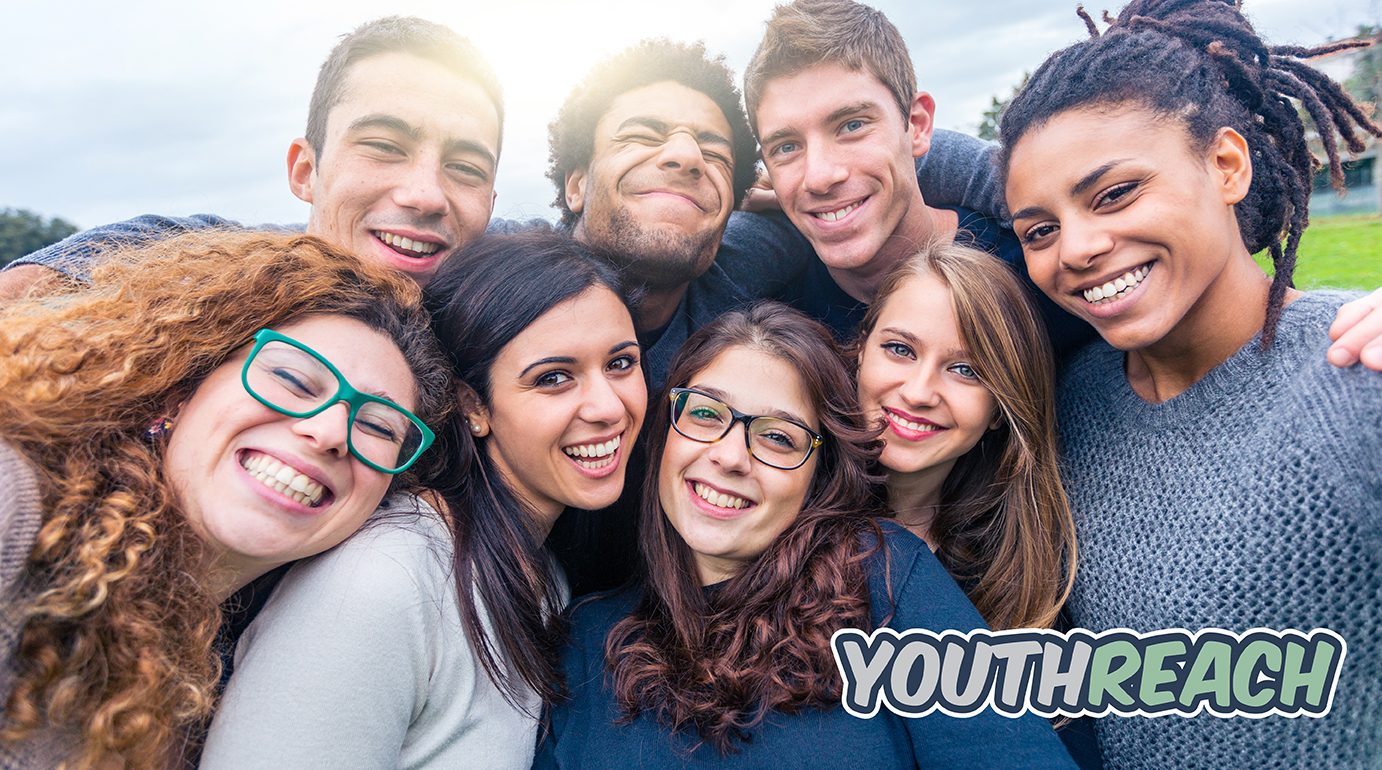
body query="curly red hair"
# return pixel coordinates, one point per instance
(117, 642)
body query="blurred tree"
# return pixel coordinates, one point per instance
(22, 232)
(993, 116)
(1365, 84)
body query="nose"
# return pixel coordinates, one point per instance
(823, 171)
(1082, 242)
(731, 453)
(420, 188)
(920, 388)
(601, 403)
(327, 431)
(681, 152)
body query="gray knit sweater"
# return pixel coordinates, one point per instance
(20, 516)
(1253, 499)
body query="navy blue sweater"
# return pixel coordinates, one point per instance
(583, 732)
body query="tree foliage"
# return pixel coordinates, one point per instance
(1365, 84)
(23, 232)
(988, 127)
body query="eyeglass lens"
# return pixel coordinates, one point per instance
(296, 383)
(774, 441)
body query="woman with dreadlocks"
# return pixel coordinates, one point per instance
(1221, 474)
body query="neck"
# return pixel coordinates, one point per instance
(915, 497)
(227, 573)
(657, 308)
(1224, 319)
(919, 225)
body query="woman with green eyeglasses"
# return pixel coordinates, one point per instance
(210, 408)
(762, 535)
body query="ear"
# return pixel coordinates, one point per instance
(302, 167)
(921, 121)
(476, 416)
(575, 190)
(1231, 163)
(997, 419)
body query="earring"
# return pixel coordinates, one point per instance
(475, 427)
(158, 428)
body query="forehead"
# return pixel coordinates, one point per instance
(755, 381)
(1071, 144)
(588, 324)
(668, 102)
(812, 95)
(366, 357)
(922, 306)
(446, 106)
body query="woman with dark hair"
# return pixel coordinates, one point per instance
(432, 641)
(167, 435)
(761, 538)
(1221, 474)
(954, 362)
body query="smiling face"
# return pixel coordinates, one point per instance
(406, 173)
(567, 398)
(726, 505)
(840, 155)
(658, 189)
(915, 373)
(227, 450)
(1125, 225)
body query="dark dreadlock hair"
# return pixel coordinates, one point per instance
(1201, 62)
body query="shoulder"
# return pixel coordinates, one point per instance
(592, 616)
(909, 588)
(399, 562)
(20, 513)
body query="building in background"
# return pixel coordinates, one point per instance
(1360, 69)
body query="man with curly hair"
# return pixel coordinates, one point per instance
(388, 174)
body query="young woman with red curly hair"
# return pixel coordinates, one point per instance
(211, 408)
(761, 536)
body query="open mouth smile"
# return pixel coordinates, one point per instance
(1118, 288)
(408, 247)
(283, 479)
(595, 457)
(835, 215)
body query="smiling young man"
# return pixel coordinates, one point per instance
(398, 161)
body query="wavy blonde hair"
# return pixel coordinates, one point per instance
(117, 641)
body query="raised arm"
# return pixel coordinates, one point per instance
(960, 170)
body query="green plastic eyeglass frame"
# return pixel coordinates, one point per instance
(737, 416)
(344, 392)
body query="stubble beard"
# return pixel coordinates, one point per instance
(657, 260)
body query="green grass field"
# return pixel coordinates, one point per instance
(1343, 252)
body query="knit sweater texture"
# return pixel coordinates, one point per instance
(1253, 499)
(21, 514)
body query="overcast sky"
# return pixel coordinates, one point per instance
(110, 110)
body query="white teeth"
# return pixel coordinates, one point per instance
(719, 498)
(1117, 287)
(279, 477)
(916, 426)
(407, 244)
(599, 455)
(838, 214)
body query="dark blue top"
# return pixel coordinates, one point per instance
(584, 734)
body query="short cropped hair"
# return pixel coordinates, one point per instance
(805, 33)
(397, 34)
(571, 137)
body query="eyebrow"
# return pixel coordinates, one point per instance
(1087, 181)
(661, 127)
(568, 360)
(400, 126)
(916, 341)
(837, 115)
(781, 414)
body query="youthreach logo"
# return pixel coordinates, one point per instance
(1255, 674)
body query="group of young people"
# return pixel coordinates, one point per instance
(270, 503)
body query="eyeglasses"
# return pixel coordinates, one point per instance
(293, 379)
(773, 441)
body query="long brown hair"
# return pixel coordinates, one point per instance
(1004, 528)
(117, 641)
(720, 660)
